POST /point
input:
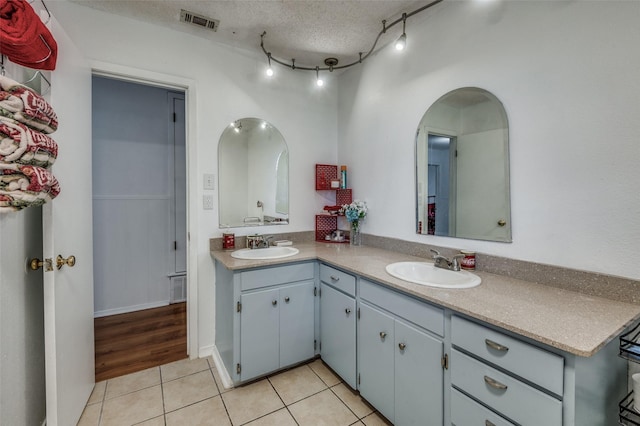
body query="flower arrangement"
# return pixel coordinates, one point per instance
(355, 212)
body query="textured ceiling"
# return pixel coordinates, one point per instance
(308, 31)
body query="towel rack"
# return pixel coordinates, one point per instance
(630, 350)
(46, 9)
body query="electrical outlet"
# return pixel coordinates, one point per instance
(207, 202)
(209, 181)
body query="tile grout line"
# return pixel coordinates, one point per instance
(220, 394)
(104, 398)
(337, 396)
(283, 403)
(164, 410)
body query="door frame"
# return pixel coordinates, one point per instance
(188, 86)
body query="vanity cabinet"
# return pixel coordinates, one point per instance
(400, 362)
(516, 380)
(276, 328)
(338, 322)
(500, 379)
(274, 316)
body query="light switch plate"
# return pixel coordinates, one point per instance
(209, 181)
(207, 202)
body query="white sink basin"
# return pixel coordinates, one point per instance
(265, 253)
(425, 273)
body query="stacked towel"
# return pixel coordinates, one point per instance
(22, 104)
(23, 186)
(22, 145)
(24, 38)
(25, 150)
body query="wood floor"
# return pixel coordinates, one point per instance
(135, 341)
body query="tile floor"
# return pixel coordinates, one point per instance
(190, 393)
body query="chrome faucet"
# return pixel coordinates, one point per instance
(440, 261)
(264, 241)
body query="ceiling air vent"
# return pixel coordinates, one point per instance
(199, 20)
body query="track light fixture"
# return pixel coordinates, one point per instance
(319, 81)
(401, 43)
(269, 70)
(332, 63)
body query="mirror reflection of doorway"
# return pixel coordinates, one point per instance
(441, 178)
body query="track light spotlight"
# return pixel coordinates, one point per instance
(401, 43)
(319, 81)
(269, 70)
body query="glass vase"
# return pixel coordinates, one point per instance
(355, 236)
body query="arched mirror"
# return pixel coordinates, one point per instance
(253, 175)
(462, 168)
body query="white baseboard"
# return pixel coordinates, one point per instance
(128, 309)
(222, 371)
(205, 351)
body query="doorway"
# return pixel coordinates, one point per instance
(139, 216)
(441, 178)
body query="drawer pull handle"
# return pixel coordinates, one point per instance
(274, 302)
(347, 311)
(489, 423)
(334, 278)
(286, 299)
(496, 346)
(402, 346)
(494, 383)
(383, 335)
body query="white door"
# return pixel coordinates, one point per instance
(67, 230)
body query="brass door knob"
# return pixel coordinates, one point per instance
(402, 346)
(274, 302)
(69, 261)
(502, 222)
(383, 335)
(36, 264)
(286, 299)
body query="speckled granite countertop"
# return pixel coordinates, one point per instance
(573, 322)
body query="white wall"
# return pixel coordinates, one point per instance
(567, 74)
(230, 84)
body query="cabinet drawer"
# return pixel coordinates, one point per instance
(507, 395)
(527, 361)
(466, 412)
(422, 314)
(338, 279)
(257, 278)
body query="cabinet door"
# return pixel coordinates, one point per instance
(418, 377)
(259, 330)
(296, 323)
(375, 359)
(338, 332)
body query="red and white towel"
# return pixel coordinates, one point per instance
(22, 145)
(24, 105)
(24, 186)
